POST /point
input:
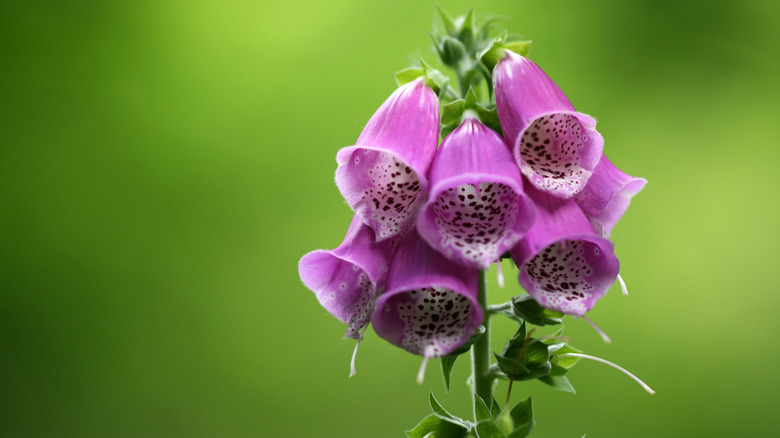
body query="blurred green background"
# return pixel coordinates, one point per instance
(164, 165)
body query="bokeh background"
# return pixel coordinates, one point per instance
(164, 164)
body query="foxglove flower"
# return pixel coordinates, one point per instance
(430, 305)
(607, 195)
(555, 146)
(563, 264)
(382, 177)
(477, 209)
(347, 279)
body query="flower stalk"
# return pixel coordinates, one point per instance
(480, 351)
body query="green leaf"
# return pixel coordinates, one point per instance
(528, 309)
(561, 383)
(481, 410)
(467, 346)
(523, 413)
(471, 98)
(408, 75)
(440, 427)
(447, 362)
(566, 362)
(489, 429)
(489, 117)
(468, 29)
(437, 408)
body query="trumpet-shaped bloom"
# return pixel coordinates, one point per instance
(555, 146)
(430, 305)
(347, 279)
(382, 177)
(607, 195)
(477, 209)
(563, 264)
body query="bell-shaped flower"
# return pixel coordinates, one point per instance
(382, 177)
(555, 146)
(430, 305)
(607, 195)
(477, 209)
(563, 264)
(346, 280)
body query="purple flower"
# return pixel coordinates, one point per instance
(607, 195)
(430, 305)
(555, 146)
(563, 264)
(382, 177)
(347, 279)
(477, 209)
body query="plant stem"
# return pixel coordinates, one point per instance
(480, 351)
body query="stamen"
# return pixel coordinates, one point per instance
(622, 285)
(601, 333)
(500, 274)
(352, 369)
(421, 372)
(606, 362)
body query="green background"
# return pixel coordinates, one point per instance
(164, 165)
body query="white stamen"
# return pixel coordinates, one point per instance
(421, 372)
(352, 369)
(606, 362)
(601, 333)
(500, 274)
(622, 285)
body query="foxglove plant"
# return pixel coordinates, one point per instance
(520, 174)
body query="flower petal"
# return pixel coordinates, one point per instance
(430, 306)
(347, 279)
(382, 177)
(555, 146)
(607, 195)
(563, 264)
(477, 209)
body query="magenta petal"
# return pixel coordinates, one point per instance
(563, 264)
(555, 146)
(607, 195)
(382, 177)
(347, 279)
(477, 209)
(430, 306)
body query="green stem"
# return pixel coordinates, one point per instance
(480, 351)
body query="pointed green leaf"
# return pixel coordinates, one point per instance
(523, 412)
(489, 429)
(468, 29)
(481, 410)
(561, 383)
(436, 407)
(467, 346)
(434, 78)
(495, 409)
(447, 362)
(566, 362)
(471, 98)
(489, 117)
(440, 427)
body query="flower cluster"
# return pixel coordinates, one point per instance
(428, 217)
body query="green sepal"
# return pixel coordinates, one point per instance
(534, 363)
(467, 32)
(446, 19)
(437, 408)
(489, 117)
(439, 427)
(528, 309)
(496, 50)
(565, 362)
(452, 112)
(561, 383)
(432, 77)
